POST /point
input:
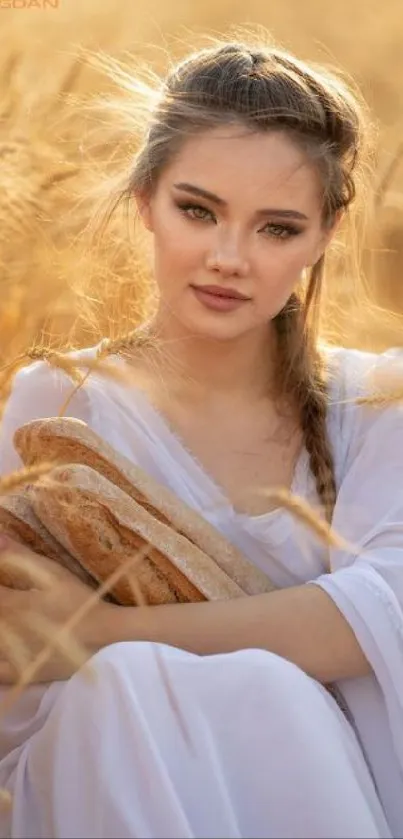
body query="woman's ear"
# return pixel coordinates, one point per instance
(144, 209)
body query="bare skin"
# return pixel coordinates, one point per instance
(244, 449)
(245, 457)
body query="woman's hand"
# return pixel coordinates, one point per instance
(31, 620)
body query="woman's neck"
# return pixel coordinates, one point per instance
(204, 370)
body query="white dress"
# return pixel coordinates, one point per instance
(272, 753)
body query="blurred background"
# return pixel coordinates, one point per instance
(54, 153)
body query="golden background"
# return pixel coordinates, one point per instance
(52, 153)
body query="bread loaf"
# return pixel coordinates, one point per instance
(102, 526)
(68, 440)
(19, 521)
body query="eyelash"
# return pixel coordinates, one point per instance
(287, 229)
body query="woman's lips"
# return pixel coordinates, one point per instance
(216, 302)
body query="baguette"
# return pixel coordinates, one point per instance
(69, 440)
(19, 521)
(101, 526)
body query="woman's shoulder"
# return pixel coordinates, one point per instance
(358, 374)
(44, 368)
(354, 372)
(44, 389)
(46, 378)
(355, 376)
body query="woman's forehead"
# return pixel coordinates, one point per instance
(250, 166)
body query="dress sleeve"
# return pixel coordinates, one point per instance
(38, 391)
(367, 585)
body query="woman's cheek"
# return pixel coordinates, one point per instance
(283, 266)
(278, 280)
(179, 246)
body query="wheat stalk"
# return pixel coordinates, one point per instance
(14, 647)
(68, 365)
(93, 598)
(381, 400)
(67, 644)
(305, 513)
(24, 563)
(26, 475)
(62, 639)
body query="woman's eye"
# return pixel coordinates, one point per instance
(195, 211)
(281, 231)
(199, 213)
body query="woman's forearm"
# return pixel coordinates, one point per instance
(301, 624)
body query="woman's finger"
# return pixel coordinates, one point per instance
(42, 570)
(61, 640)
(13, 648)
(8, 676)
(26, 566)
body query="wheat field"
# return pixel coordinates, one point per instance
(56, 155)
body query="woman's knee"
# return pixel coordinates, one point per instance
(254, 676)
(281, 686)
(275, 674)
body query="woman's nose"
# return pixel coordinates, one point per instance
(228, 258)
(227, 255)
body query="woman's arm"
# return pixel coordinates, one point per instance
(301, 624)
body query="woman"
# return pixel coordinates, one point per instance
(247, 168)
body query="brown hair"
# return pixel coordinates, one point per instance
(264, 89)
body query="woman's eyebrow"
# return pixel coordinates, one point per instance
(199, 192)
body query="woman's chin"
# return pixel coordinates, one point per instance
(218, 328)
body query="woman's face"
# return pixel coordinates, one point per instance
(237, 210)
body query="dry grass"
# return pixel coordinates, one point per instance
(56, 157)
(56, 291)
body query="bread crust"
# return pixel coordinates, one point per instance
(68, 440)
(101, 526)
(19, 521)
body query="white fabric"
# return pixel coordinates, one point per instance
(273, 755)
